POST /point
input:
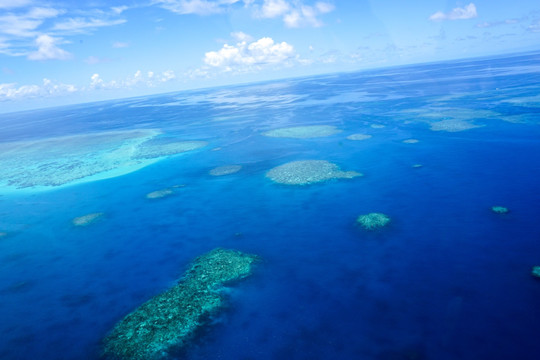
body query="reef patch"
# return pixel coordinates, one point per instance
(373, 221)
(225, 170)
(169, 320)
(303, 132)
(306, 172)
(359, 137)
(87, 219)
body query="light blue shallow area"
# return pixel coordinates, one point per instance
(447, 279)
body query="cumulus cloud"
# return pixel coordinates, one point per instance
(10, 91)
(240, 36)
(48, 49)
(294, 14)
(246, 56)
(467, 12)
(139, 78)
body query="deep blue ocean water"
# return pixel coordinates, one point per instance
(447, 279)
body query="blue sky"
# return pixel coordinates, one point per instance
(61, 52)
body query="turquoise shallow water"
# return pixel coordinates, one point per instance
(447, 279)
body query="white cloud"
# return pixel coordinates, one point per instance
(11, 91)
(246, 56)
(10, 4)
(149, 79)
(48, 49)
(199, 7)
(74, 25)
(119, 9)
(25, 25)
(535, 27)
(274, 8)
(294, 13)
(120, 44)
(240, 36)
(467, 12)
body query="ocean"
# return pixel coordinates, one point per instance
(105, 205)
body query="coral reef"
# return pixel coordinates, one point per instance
(373, 221)
(308, 172)
(86, 219)
(156, 148)
(536, 271)
(358, 137)
(453, 125)
(303, 132)
(499, 209)
(51, 162)
(169, 320)
(410, 141)
(158, 194)
(225, 170)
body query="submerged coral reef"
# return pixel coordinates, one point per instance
(358, 137)
(168, 321)
(373, 221)
(303, 132)
(499, 209)
(86, 219)
(158, 194)
(453, 125)
(225, 170)
(156, 148)
(308, 172)
(46, 163)
(536, 271)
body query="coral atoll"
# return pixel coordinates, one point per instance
(86, 219)
(373, 221)
(303, 132)
(225, 170)
(169, 320)
(308, 172)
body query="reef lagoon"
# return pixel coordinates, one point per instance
(106, 206)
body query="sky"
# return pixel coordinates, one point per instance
(64, 52)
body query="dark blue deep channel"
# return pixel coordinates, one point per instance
(446, 279)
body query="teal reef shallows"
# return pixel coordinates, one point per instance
(499, 209)
(536, 271)
(373, 221)
(169, 320)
